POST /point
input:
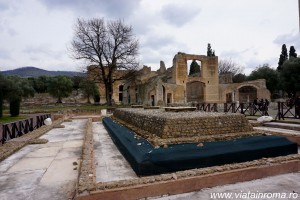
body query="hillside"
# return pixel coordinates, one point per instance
(36, 72)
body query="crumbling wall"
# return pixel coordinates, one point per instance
(184, 124)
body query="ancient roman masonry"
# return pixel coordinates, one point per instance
(175, 86)
(185, 124)
(174, 141)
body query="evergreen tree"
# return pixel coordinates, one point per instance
(194, 68)
(4, 90)
(292, 53)
(239, 78)
(283, 57)
(289, 75)
(14, 106)
(209, 50)
(18, 88)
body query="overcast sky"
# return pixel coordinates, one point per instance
(250, 32)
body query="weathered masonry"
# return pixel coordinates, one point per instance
(174, 86)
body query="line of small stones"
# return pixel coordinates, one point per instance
(264, 162)
(87, 174)
(157, 141)
(16, 144)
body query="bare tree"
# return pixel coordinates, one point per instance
(109, 47)
(229, 66)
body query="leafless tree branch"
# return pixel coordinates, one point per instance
(110, 48)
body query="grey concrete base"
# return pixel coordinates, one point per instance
(44, 171)
(109, 162)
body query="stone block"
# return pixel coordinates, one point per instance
(193, 123)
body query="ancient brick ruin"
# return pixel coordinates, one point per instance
(174, 86)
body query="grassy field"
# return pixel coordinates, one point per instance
(7, 118)
(64, 107)
(51, 108)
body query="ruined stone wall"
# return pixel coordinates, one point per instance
(183, 124)
(259, 85)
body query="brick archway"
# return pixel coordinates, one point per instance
(247, 93)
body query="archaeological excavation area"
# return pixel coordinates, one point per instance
(177, 152)
(227, 138)
(138, 153)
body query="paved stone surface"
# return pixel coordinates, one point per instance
(283, 125)
(44, 171)
(52, 174)
(283, 184)
(109, 162)
(278, 130)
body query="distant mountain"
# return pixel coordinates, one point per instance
(26, 72)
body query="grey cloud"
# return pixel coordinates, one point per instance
(149, 56)
(165, 53)
(111, 8)
(42, 50)
(3, 6)
(234, 53)
(179, 15)
(11, 31)
(142, 25)
(158, 42)
(6, 28)
(4, 54)
(289, 39)
(253, 64)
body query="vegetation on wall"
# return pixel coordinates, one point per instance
(210, 52)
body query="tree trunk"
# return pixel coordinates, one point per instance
(14, 107)
(109, 92)
(59, 100)
(88, 99)
(1, 103)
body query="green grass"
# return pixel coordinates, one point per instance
(63, 107)
(55, 108)
(6, 119)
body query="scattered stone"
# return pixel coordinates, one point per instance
(38, 141)
(59, 126)
(174, 176)
(200, 145)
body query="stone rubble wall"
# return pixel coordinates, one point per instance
(184, 124)
(152, 124)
